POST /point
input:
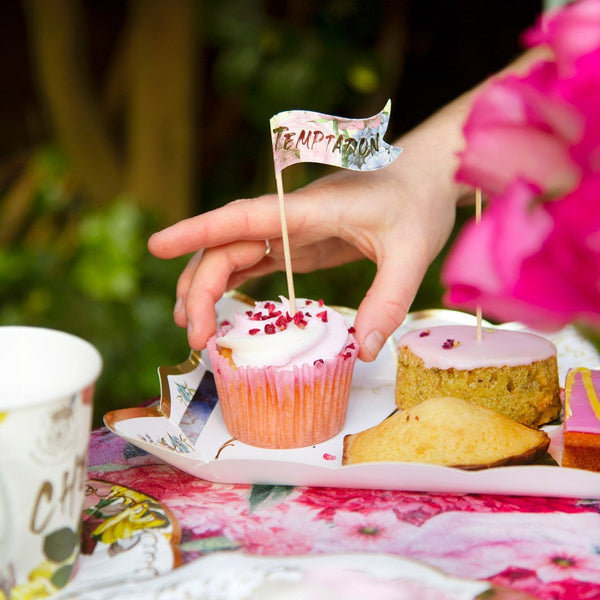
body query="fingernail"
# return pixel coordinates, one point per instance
(374, 343)
(177, 306)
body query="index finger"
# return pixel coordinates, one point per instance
(251, 219)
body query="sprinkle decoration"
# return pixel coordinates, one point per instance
(276, 321)
(450, 343)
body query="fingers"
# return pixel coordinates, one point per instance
(205, 280)
(243, 219)
(183, 285)
(387, 302)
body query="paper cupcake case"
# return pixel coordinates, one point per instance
(186, 429)
(273, 408)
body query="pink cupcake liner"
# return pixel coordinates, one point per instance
(273, 408)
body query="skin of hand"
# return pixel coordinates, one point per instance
(399, 217)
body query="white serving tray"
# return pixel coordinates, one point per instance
(187, 430)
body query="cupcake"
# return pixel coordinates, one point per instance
(284, 381)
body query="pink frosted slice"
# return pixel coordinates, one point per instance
(457, 347)
(581, 393)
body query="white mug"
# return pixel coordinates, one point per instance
(47, 380)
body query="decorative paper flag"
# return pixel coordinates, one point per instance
(306, 136)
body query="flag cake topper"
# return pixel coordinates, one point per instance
(306, 136)
(357, 144)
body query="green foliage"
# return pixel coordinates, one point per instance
(109, 244)
(259, 494)
(87, 271)
(308, 55)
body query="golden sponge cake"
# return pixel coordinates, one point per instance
(447, 431)
(512, 372)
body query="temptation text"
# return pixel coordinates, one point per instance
(317, 140)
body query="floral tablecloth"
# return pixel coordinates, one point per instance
(547, 547)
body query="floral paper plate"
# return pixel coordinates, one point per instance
(237, 576)
(126, 536)
(186, 430)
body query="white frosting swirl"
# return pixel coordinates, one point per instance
(269, 336)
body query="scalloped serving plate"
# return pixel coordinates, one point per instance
(350, 576)
(186, 429)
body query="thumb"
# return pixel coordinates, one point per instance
(386, 304)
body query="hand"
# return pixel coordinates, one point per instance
(399, 217)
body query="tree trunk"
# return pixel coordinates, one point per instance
(58, 52)
(161, 135)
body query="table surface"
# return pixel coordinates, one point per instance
(144, 518)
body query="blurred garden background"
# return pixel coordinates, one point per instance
(119, 117)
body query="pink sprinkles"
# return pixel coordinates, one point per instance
(424, 333)
(450, 343)
(299, 320)
(268, 312)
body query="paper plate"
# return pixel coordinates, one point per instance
(233, 576)
(186, 430)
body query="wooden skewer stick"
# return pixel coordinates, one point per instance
(477, 220)
(286, 244)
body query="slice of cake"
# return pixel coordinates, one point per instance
(512, 372)
(582, 420)
(447, 431)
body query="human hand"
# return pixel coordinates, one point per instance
(399, 217)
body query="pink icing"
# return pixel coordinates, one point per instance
(456, 346)
(579, 414)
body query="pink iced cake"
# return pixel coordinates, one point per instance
(283, 377)
(512, 372)
(582, 420)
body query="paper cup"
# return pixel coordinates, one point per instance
(46, 395)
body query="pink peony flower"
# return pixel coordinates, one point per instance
(519, 128)
(570, 32)
(533, 146)
(510, 230)
(563, 277)
(538, 261)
